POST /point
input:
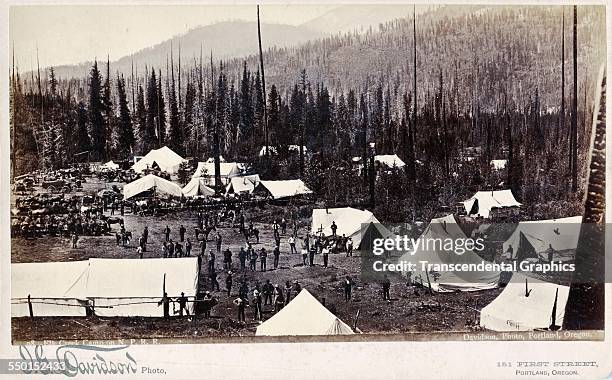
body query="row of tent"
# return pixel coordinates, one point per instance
(112, 287)
(197, 187)
(514, 309)
(165, 159)
(231, 173)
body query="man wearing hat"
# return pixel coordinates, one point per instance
(182, 300)
(257, 304)
(228, 283)
(208, 303)
(165, 301)
(263, 256)
(267, 290)
(279, 300)
(241, 303)
(276, 253)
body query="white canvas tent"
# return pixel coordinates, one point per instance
(535, 237)
(164, 158)
(483, 202)
(243, 184)
(498, 164)
(304, 315)
(513, 311)
(212, 159)
(162, 186)
(110, 165)
(124, 284)
(116, 287)
(438, 232)
(272, 150)
(351, 222)
(197, 187)
(227, 170)
(284, 188)
(56, 289)
(389, 160)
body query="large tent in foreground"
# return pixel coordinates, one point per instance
(148, 182)
(351, 222)
(164, 159)
(134, 287)
(283, 189)
(114, 287)
(533, 238)
(437, 247)
(56, 289)
(481, 203)
(304, 315)
(521, 307)
(197, 187)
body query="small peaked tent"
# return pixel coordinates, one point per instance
(110, 165)
(533, 238)
(498, 164)
(512, 310)
(243, 184)
(151, 181)
(212, 159)
(197, 187)
(304, 315)
(126, 287)
(273, 150)
(351, 222)
(433, 249)
(163, 158)
(228, 170)
(483, 202)
(284, 188)
(390, 160)
(56, 288)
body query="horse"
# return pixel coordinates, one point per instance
(114, 220)
(204, 231)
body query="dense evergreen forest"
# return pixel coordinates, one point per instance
(488, 78)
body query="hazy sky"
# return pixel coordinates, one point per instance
(67, 34)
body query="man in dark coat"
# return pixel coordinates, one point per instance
(263, 256)
(253, 260)
(386, 285)
(165, 301)
(182, 231)
(334, 228)
(267, 291)
(276, 253)
(242, 255)
(348, 286)
(182, 300)
(228, 283)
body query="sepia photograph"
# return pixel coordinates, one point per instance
(243, 173)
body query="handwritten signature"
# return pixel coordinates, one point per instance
(67, 361)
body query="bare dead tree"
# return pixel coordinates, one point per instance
(263, 86)
(574, 144)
